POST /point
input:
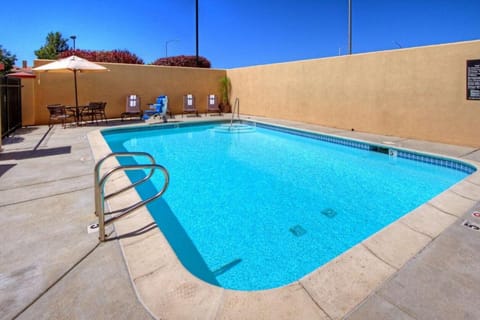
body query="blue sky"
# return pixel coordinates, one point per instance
(236, 33)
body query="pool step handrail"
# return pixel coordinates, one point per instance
(236, 107)
(100, 182)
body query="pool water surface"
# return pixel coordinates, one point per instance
(262, 208)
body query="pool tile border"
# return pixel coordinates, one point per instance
(410, 155)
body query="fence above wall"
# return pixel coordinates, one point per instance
(10, 104)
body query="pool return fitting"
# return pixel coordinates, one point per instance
(100, 182)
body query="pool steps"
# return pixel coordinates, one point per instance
(234, 128)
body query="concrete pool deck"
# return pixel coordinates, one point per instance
(423, 266)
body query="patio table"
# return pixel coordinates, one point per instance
(76, 111)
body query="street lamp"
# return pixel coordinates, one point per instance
(73, 38)
(196, 32)
(349, 26)
(166, 46)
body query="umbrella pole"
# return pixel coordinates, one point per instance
(77, 111)
(76, 94)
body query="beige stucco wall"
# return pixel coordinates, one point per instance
(28, 101)
(417, 93)
(122, 80)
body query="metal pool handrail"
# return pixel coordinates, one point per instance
(101, 181)
(236, 106)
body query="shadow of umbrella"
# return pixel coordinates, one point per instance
(72, 64)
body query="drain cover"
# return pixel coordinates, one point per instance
(298, 230)
(329, 212)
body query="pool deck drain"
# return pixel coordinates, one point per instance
(48, 257)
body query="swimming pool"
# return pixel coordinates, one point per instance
(261, 209)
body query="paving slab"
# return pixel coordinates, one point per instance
(343, 283)
(438, 148)
(452, 203)
(91, 291)
(474, 155)
(396, 244)
(428, 220)
(51, 268)
(440, 283)
(293, 302)
(376, 307)
(49, 188)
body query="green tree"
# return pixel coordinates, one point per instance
(54, 44)
(7, 59)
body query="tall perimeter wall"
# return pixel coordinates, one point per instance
(415, 93)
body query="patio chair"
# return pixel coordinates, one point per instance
(132, 107)
(157, 109)
(94, 111)
(99, 111)
(58, 113)
(212, 105)
(189, 105)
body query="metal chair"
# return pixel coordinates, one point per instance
(94, 111)
(58, 113)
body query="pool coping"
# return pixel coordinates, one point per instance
(168, 290)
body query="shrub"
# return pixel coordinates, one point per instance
(183, 61)
(113, 56)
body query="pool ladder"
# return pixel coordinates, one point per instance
(100, 182)
(236, 106)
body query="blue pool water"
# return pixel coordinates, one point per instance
(262, 208)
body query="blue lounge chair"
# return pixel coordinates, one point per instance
(157, 109)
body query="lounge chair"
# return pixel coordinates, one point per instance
(132, 107)
(189, 105)
(157, 109)
(58, 113)
(212, 105)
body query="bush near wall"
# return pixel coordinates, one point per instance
(113, 56)
(183, 61)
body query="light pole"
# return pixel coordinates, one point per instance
(73, 38)
(166, 46)
(196, 31)
(349, 26)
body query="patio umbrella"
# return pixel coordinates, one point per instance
(72, 64)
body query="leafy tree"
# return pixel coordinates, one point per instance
(183, 61)
(7, 59)
(54, 45)
(113, 56)
(225, 89)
